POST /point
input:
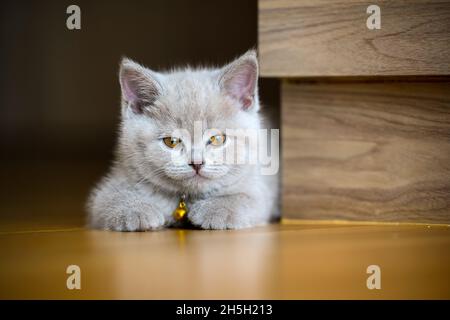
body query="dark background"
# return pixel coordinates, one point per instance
(60, 94)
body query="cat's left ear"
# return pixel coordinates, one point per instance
(239, 80)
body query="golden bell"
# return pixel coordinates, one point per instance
(180, 211)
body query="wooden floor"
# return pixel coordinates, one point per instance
(41, 233)
(286, 261)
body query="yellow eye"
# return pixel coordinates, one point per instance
(171, 142)
(217, 140)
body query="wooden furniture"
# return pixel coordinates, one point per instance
(365, 113)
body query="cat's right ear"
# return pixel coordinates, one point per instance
(140, 86)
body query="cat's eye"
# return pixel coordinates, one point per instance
(171, 142)
(217, 140)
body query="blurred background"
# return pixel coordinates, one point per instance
(59, 98)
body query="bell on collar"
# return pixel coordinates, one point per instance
(181, 210)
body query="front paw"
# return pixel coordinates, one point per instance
(134, 221)
(211, 215)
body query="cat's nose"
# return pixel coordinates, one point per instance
(196, 166)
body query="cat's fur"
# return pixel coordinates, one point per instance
(144, 187)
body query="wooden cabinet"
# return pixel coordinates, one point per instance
(365, 113)
(331, 38)
(366, 151)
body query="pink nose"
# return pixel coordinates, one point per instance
(196, 166)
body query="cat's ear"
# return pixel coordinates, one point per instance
(140, 86)
(239, 79)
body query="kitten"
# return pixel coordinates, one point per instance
(156, 167)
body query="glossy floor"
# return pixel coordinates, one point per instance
(286, 261)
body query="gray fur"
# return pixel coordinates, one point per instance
(143, 187)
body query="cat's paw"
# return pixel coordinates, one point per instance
(134, 221)
(210, 215)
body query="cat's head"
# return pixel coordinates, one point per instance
(175, 124)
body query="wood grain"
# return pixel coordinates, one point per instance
(330, 38)
(283, 261)
(357, 151)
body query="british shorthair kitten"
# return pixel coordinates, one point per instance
(161, 169)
